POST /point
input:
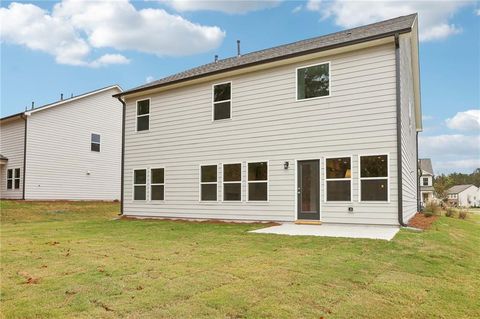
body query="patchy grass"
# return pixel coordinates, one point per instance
(75, 260)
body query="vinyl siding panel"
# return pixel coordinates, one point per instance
(12, 136)
(409, 150)
(60, 164)
(268, 124)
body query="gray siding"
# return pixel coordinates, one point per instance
(60, 164)
(12, 134)
(409, 152)
(269, 124)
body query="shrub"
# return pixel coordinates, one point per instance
(462, 214)
(432, 208)
(450, 212)
(427, 213)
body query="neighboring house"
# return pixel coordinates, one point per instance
(463, 195)
(69, 150)
(323, 129)
(426, 180)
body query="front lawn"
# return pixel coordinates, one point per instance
(76, 260)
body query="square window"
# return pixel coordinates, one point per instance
(313, 81)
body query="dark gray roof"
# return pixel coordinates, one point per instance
(458, 189)
(426, 165)
(343, 38)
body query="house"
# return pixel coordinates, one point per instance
(320, 130)
(426, 180)
(463, 196)
(67, 150)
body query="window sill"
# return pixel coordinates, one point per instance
(312, 98)
(222, 120)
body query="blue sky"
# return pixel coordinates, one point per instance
(69, 47)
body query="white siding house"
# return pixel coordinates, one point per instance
(323, 129)
(426, 180)
(463, 195)
(72, 149)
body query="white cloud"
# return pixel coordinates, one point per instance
(230, 7)
(73, 28)
(478, 12)
(449, 153)
(149, 79)
(297, 9)
(465, 121)
(433, 17)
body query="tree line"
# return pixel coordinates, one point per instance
(443, 182)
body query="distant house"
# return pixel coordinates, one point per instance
(463, 195)
(426, 180)
(69, 150)
(320, 130)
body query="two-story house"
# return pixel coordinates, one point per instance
(463, 196)
(67, 150)
(321, 130)
(427, 192)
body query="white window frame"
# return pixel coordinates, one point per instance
(213, 101)
(423, 181)
(99, 144)
(230, 182)
(143, 115)
(325, 200)
(360, 178)
(329, 81)
(146, 184)
(200, 183)
(11, 178)
(262, 181)
(150, 184)
(15, 178)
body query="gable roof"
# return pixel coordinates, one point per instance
(458, 189)
(426, 165)
(62, 102)
(361, 34)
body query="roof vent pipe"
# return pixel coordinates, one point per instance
(216, 58)
(33, 105)
(238, 48)
(61, 97)
(71, 95)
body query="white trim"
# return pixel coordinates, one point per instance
(13, 178)
(200, 184)
(143, 115)
(146, 183)
(41, 108)
(261, 181)
(360, 178)
(150, 184)
(329, 81)
(99, 144)
(230, 100)
(325, 180)
(232, 182)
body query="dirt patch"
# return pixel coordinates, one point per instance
(200, 221)
(421, 221)
(29, 279)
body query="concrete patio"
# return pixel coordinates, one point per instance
(333, 230)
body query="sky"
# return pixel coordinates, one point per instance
(72, 47)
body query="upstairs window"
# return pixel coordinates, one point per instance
(95, 142)
(13, 178)
(208, 183)
(339, 179)
(258, 181)
(143, 115)
(157, 184)
(232, 182)
(140, 184)
(374, 178)
(222, 101)
(425, 181)
(313, 81)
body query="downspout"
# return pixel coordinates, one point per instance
(399, 133)
(418, 175)
(24, 117)
(124, 106)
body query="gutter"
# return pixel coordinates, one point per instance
(24, 117)
(122, 165)
(399, 132)
(418, 176)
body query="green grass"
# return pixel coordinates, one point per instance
(84, 263)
